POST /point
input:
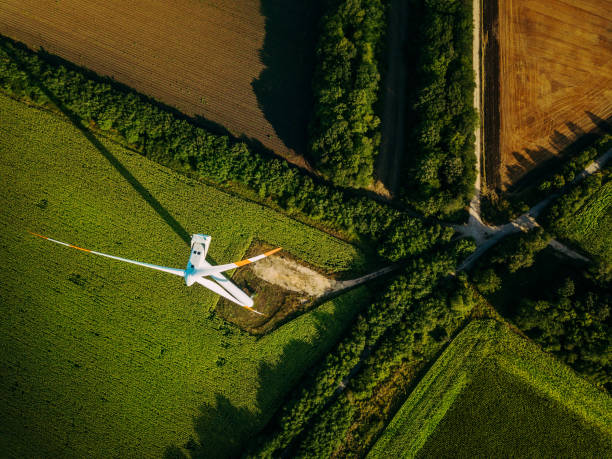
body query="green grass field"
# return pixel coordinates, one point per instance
(495, 394)
(590, 226)
(104, 359)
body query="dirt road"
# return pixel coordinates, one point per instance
(474, 209)
(394, 99)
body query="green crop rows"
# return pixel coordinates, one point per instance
(590, 226)
(108, 359)
(493, 393)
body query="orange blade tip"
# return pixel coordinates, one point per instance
(273, 251)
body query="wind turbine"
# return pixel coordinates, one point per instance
(198, 269)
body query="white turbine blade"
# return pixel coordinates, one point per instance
(221, 268)
(175, 271)
(233, 290)
(225, 294)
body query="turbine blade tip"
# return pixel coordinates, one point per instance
(273, 251)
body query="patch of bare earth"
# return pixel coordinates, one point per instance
(291, 276)
(281, 287)
(555, 80)
(244, 65)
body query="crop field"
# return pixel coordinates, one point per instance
(100, 358)
(493, 393)
(553, 62)
(246, 66)
(590, 226)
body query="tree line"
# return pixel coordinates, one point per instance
(176, 142)
(439, 166)
(344, 129)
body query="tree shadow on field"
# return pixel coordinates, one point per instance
(604, 125)
(125, 173)
(544, 163)
(224, 430)
(525, 161)
(284, 87)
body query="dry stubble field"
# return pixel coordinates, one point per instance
(555, 80)
(245, 65)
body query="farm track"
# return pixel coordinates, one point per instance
(555, 80)
(474, 208)
(394, 99)
(204, 58)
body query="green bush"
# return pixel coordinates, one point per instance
(518, 251)
(573, 325)
(487, 281)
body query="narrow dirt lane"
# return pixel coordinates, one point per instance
(394, 99)
(474, 210)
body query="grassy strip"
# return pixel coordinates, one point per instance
(100, 358)
(487, 353)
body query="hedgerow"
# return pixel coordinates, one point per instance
(344, 129)
(413, 318)
(165, 137)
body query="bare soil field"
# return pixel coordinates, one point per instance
(554, 72)
(243, 65)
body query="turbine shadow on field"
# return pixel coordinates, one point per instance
(283, 88)
(224, 430)
(125, 173)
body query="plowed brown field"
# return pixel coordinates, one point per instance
(245, 65)
(555, 80)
